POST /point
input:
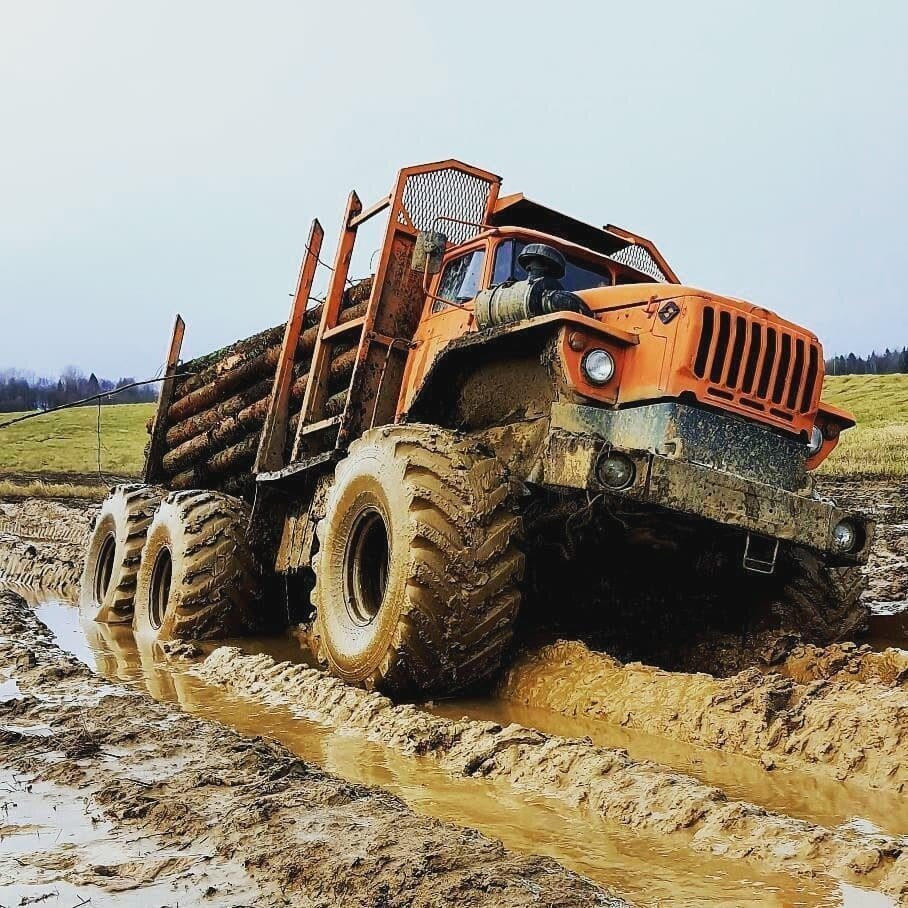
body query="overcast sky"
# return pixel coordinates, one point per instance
(168, 156)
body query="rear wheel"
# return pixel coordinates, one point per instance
(113, 553)
(417, 571)
(198, 578)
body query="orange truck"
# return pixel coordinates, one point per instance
(516, 417)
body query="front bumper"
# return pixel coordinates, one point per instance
(571, 461)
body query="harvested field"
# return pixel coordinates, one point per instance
(781, 784)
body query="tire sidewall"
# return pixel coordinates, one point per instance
(160, 536)
(91, 607)
(372, 480)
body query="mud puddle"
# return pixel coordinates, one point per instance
(641, 867)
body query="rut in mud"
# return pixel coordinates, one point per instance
(601, 781)
(849, 729)
(221, 816)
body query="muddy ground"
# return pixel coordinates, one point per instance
(107, 792)
(781, 783)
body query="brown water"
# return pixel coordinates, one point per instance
(646, 869)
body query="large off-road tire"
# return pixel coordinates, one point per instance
(198, 578)
(113, 553)
(417, 573)
(820, 604)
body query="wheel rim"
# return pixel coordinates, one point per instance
(366, 567)
(105, 566)
(159, 591)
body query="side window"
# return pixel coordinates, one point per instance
(460, 280)
(505, 255)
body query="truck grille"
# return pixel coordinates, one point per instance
(759, 366)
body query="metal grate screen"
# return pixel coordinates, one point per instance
(449, 193)
(638, 258)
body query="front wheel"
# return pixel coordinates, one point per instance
(417, 571)
(821, 604)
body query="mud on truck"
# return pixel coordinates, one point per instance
(519, 418)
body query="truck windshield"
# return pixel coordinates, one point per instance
(576, 277)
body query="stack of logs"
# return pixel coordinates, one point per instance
(216, 414)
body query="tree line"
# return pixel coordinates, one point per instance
(875, 364)
(21, 391)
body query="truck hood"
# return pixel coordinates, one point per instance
(605, 299)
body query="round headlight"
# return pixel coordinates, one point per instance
(844, 536)
(616, 471)
(816, 441)
(598, 366)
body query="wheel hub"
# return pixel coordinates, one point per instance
(366, 567)
(159, 591)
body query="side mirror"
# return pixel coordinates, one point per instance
(428, 251)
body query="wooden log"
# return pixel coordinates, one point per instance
(232, 381)
(235, 458)
(248, 420)
(212, 365)
(209, 366)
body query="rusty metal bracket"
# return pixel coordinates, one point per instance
(270, 456)
(158, 431)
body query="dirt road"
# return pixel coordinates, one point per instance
(783, 783)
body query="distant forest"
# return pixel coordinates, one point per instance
(876, 364)
(23, 391)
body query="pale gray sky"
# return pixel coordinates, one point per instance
(168, 156)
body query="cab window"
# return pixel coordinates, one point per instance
(460, 281)
(576, 277)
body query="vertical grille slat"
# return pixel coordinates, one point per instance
(797, 372)
(813, 370)
(754, 357)
(706, 337)
(733, 369)
(720, 352)
(783, 369)
(764, 364)
(769, 363)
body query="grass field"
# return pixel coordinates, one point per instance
(63, 447)
(878, 446)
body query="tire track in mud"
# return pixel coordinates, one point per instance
(242, 809)
(845, 662)
(605, 782)
(849, 730)
(42, 543)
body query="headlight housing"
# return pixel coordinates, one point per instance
(845, 536)
(816, 441)
(598, 366)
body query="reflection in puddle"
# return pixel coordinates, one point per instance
(645, 868)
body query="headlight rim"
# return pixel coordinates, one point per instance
(854, 544)
(815, 442)
(585, 370)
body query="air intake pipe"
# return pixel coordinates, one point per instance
(540, 294)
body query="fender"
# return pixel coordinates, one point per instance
(524, 340)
